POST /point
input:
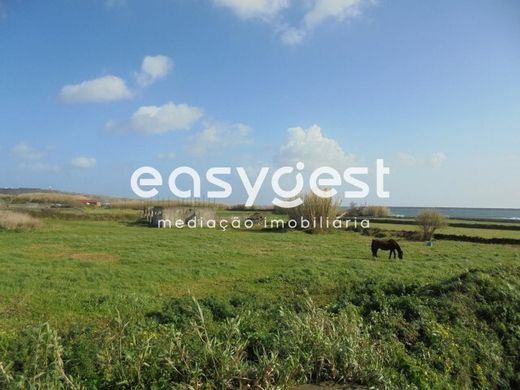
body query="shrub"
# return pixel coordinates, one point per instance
(313, 209)
(429, 221)
(375, 211)
(17, 221)
(367, 211)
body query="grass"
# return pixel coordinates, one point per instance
(286, 301)
(78, 270)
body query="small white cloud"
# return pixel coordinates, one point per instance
(437, 159)
(24, 151)
(219, 136)
(246, 9)
(154, 68)
(407, 159)
(334, 9)
(103, 89)
(292, 36)
(83, 162)
(312, 148)
(159, 119)
(166, 156)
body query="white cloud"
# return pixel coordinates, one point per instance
(83, 162)
(437, 159)
(312, 148)
(265, 9)
(292, 36)
(24, 151)
(103, 89)
(335, 9)
(407, 159)
(154, 68)
(166, 156)
(316, 12)
(159, 119)
(218, 136)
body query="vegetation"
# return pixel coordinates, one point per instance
(355, 210)
(17, 221)
(429, 221)
(107, 303)
(460, 333)
(315, 208)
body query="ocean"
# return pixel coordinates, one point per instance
(459, 212)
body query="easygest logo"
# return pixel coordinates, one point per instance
(146, 180)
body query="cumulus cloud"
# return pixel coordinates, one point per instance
(246, 9)
(159, 119)
(103, 89)
(316, 12)
(218, 136)
(154, 68)
(83, 162)
(319, 12)
(24, 151)
(312, 148)
(435, 160)
(407, 159)
(334, 9)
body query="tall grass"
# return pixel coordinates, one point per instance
(315, 208)
(17, 221)
(460, 333)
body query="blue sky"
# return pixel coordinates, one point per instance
(92, 90)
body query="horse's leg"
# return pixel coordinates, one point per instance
(390, 255)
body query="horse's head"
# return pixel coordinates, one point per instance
(400, 254)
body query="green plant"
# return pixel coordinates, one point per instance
(315, 209)
(429, 221)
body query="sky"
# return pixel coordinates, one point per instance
(91, 90)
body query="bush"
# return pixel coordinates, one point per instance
(315, 208)
(429, 221)
(460, 333)
(375, 211)
(17, 221)
(367, 211)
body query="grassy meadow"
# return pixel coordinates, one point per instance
(89, 280)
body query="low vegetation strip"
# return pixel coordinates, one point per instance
(482, 224)
(479, 240)
(459, 333)
(17, 221)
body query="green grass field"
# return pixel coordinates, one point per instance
(84, 273)
(85, 270)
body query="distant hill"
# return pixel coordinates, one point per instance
(18, 191)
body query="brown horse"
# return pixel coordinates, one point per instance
(386, 245)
